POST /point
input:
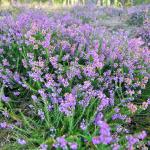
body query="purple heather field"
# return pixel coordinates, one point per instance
(75, 78)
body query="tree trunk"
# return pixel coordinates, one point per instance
(123, 3)
(111, 2)
(13, 2)
(50, 2)
(132, 3)
(82, 2)
(101, 2)
(91, 1)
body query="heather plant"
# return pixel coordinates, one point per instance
(144, 32)
(68, 84)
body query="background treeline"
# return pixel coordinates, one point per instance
(72, 2)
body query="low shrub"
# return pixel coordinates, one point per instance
(67, 85)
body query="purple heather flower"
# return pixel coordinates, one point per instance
(105, 134)
(86, 85)
(119, 116)
(5, 113)
(83, 125)
(98, 118)
(16, 77)
(89, 71)
(142, 135)
(1, 50)
(35, 75)
(5, 98)
(65, 45)
(117, 110)
(63, 81)
(41, 114)
(43, 147)
(50, 107)
(148, 101)
(5, 62)
(3, 125)
(116, 147)
(68, 105)
(34, 98)
(119, 128)
(104, 103)
(16, 93)
(73, 146)
(61, 143)
(131, 141)
(21, 141)
(66, 57)
(100, 95)
(96, 140)
(42, 93)
(46, 43)
(10, 126)
(54, 62)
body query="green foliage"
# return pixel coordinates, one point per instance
(138, 2)
(136, 19)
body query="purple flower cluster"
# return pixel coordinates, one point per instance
(21, 141)
(68, 105)
(105, 136)
(63, 144)
(132, 140)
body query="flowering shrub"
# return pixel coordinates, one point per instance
(68, 84)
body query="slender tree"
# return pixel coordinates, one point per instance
(123, 2)
(12, 2)
(112, 2)
(132, 2)
(101, 2)
(50, 2)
